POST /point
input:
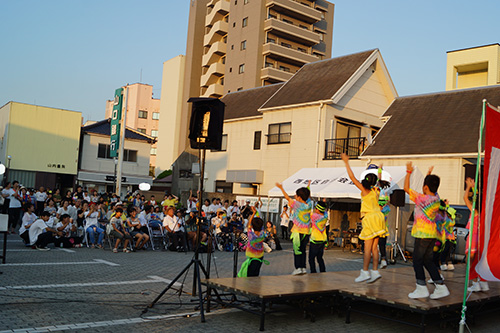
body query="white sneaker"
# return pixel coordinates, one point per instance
(451, 267)
(420, 292)
(440, 291)
(484, 285)
(304, 271)
(383, 264)
(364, 276)
(443, 267)
(375, 275)
(475, 287)
(42, 248)
(297, 271)
(432, 281)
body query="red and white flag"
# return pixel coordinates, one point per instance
(488, 267)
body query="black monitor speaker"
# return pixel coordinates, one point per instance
(206, 125)
(398, 198)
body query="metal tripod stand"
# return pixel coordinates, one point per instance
(396, 248)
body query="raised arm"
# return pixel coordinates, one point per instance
(429, 172)
(356, 182)
(469, 185)
(409, 170)
(287, 197)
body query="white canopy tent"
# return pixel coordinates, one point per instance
(335, 183)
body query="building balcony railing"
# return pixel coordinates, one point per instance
(296, 9)
(214, 72)
(218, 30)
(218, 11)
(275, 74)
(293, 32)
(290, 55)
(216, 51)
(351, 146)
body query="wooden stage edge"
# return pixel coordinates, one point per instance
(391, 290)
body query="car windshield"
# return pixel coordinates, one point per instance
(462, 217)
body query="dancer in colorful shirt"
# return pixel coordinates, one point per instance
(255, 247)
(318, 237)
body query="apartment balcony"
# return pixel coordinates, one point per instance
(217, 50)
(351, 146)
(291, 32)
(321, 5)
(274, 74)
(214, 72)
(295, 9)
(286, 54)
(214, 90)
(219, 10)
(218, 30)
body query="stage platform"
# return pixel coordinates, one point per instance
(391, 290)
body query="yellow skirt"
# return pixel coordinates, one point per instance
(373, 226)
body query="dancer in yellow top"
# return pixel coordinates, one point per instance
(373, 224)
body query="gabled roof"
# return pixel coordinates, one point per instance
(319, 81)
(438, 123)
(245, 103)
(103, 127)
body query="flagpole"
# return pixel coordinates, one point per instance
(472, 227)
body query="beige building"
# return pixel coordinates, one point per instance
(473, 67)
(96, 169)
(326, 108)
(39, 144)
(242, 44)
(143, 113)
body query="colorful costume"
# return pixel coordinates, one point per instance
(372, 218)
(318, 241)
(254, 253)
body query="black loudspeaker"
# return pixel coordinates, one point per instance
(398, 198)
(206, 125)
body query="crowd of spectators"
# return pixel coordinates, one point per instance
(80, 218)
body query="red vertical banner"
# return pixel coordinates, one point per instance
(488, 267)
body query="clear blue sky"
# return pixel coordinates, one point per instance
(73, 54)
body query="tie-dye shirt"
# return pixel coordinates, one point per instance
(255, 248)
(426, 209)
(318, 227)
(301, 216)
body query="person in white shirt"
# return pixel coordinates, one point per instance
(175, 230)
(152, 201)
(14, 206)
(212, 210)
(28, 218)
(69, 230)
(92, 226)
(144, 217)
(40, 234)
(41, 197)
(233, 208)
(6, 195)
(285, 221)
(191, 202)
(86, 196)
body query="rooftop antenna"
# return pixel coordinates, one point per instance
(141, 76)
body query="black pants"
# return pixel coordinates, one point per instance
(26, 236)
(284, 232)
(44, 239)
(254, 267)
(65, 241)
(382, 244)
(300, 259)
(176, 238)
(316, 252)
(39, 207)
(5, 207)
(14, 216)
(442, 257)
(423, 257)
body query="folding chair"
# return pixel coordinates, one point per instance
(156, 235)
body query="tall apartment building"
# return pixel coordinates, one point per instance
(243, 44)
(143, 114)
(473, 67)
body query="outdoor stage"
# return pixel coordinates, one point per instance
(391, 290)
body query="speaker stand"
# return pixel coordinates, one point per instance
(395, 245)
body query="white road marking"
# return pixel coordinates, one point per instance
(95, 261)
(357, 260)
(152, 279)
(66, 250)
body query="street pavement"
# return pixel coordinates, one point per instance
(92, 290)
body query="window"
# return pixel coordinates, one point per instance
(346, 130)
(143, 114)
(271, 40)
(271, 15)
(240, 88)
(153, 151)
(103, 151)
(244, 23)
(302, 49)
(286, 45)
(303, 26)
(256, 140)
(225, 39)
(154, 133)
(223, 146)
(287, 21)
(156, 115)
(279, 133)
(285, 69)
(269, 64)
(142, 130)
(245, 2)
(243, 45)
(241, 69)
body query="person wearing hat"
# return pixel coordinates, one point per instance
(318, 237)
